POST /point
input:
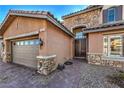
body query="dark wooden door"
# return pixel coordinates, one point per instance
(80, 47)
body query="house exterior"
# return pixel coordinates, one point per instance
(103, 29)
(77, 22)
(28, 34)
(95, 34)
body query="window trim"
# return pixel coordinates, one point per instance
(110, 37)
(108, 14)
(108, 48)
(28, 42)
(81, 36)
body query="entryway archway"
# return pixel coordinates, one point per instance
(80, 42)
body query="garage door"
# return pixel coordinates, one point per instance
(25, 52)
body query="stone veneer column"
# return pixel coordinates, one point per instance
(6, 53)
(46, 64)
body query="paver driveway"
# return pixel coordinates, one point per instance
(79, 74)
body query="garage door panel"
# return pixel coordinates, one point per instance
(25, 54)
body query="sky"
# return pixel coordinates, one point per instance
(57, 10)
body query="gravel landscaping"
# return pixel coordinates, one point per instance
(117, 78)
(77, 75)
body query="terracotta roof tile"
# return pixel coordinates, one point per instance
(103, 26)
(37, 13)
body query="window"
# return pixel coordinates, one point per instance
(37, 42)
(26, 42)
(31, 42)
(17, 43)
(111, 14)
(116, 45)
(105, 45)
(22, 43)
(113, 46)
(79, 35)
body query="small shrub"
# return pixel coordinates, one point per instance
(117, 78)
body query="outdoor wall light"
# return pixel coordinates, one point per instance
(41, 42)
(2, 44)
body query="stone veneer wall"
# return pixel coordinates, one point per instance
(99, 60)
(88, 19)
(6, 57)
(46, 64)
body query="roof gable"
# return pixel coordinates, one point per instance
(33, 14)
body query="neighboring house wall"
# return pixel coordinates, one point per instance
(59, 43)
(88, 19)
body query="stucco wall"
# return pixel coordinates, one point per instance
(55, 41)
(89, 19)
(23, 25)
(95, 42)
(59, 43)
(19, 26)
(95, 54)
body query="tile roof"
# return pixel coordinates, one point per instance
(105, 27)
(36, 14)
(89, 8)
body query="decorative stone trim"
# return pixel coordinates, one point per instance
(98, 60)
(46, 64)
(6, 57)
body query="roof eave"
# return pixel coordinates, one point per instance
(104, 29)
(80, 12)
(49, 18)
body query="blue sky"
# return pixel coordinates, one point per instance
(57, 10)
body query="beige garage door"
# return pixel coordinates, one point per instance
(25, 52)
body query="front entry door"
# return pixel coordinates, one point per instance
(80, 47)
(80, 42)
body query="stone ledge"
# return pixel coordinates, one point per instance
(46, 64)
(98, 60)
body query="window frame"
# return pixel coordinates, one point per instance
(108, 54)
(108, 15)
(21, 43)
(79, 35)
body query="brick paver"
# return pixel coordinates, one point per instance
(79, 74)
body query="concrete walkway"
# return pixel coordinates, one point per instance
(79, 74)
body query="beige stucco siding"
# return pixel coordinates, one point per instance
(95, 42)
(59, 43)
(55, 40)
(23, 25)
(95, 54)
